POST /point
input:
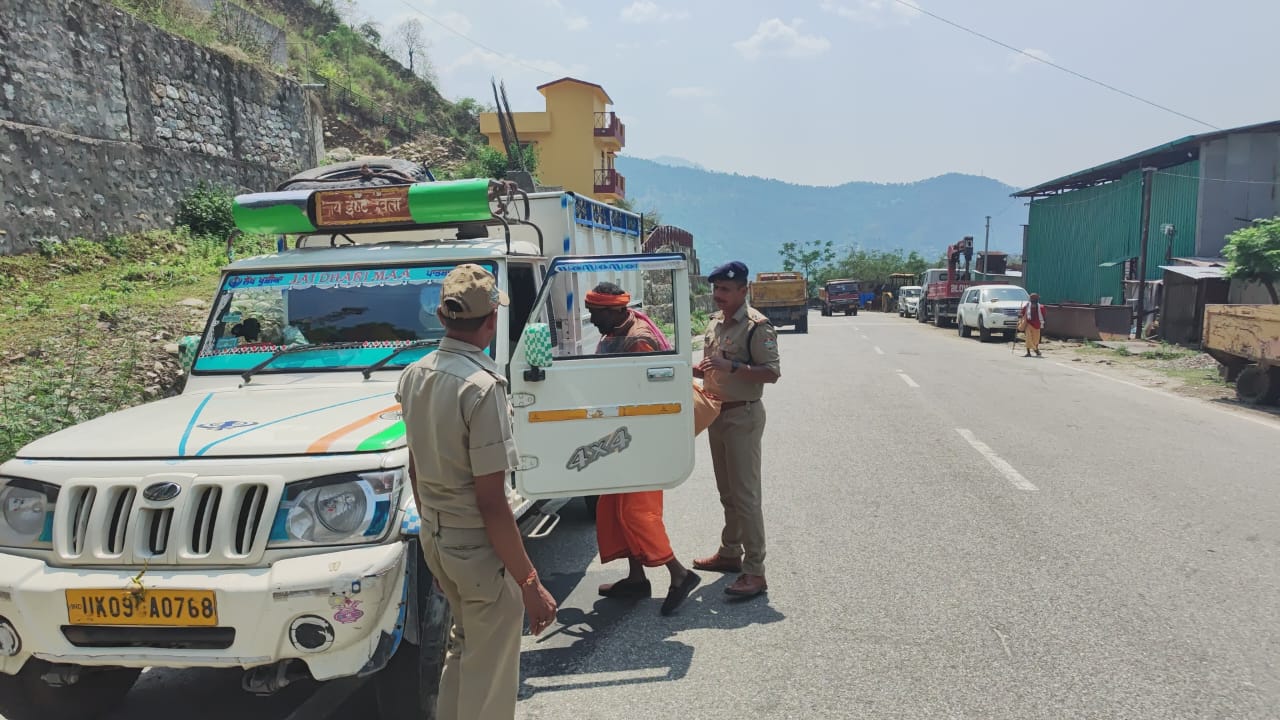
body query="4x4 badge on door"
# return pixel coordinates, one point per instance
(614, 442)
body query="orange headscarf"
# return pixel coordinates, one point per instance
(604, 300)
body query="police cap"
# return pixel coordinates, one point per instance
(732, 270)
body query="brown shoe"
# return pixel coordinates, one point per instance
(747, 586)
(718, 563)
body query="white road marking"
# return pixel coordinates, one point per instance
(879, 351)
(1233, 413)
(997, 462)
(906, 379)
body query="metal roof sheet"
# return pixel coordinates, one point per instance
(1161, 156)
(1196, 272)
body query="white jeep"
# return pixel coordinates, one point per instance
(260, 520)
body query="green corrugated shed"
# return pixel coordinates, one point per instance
(1175, 195)
(1072, 234)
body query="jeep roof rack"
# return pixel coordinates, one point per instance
(469, 207)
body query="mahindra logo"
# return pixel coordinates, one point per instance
(160, 492)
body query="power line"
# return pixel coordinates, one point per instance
(1225, 180)
(477, 43)
(1052, 64)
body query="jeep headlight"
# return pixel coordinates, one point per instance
(26, 513)
(346, 509)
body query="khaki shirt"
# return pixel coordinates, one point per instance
(728, 338)
(458, 423)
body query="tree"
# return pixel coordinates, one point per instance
(372, 32)
(1254, 254)
(413, 39)
(808, 257)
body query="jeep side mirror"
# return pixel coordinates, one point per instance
(537, 350)
(187, 346)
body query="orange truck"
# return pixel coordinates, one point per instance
(783, 297)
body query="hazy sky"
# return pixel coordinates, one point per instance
(822, 92)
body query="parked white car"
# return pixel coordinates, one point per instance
(909, 300)
(990, 309)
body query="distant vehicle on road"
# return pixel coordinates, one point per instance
(783, 297)
(908, 300)
(840, 296)
(990, 309)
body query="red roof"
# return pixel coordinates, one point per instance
(607, 99)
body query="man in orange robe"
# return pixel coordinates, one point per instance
(629, 525)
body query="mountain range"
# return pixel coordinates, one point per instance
(738, 217)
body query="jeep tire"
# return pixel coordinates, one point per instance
(407, 688)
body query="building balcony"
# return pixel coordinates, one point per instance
(610, 129)
(610, 182)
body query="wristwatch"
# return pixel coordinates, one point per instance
(734, 367)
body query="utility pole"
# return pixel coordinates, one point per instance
(1140, 307)
(986, 251)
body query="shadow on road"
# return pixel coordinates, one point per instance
(574, 656)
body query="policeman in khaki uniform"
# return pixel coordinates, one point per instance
(458, 421)
(739, 357)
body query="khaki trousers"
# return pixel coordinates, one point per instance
(735, 456)
(482, 668)
(1033, 338)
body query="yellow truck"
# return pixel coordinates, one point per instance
(1246, 340)
(783, 297)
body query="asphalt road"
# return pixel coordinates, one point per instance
(954, 532)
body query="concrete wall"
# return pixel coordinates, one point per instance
(1239, 175)
(105, 122)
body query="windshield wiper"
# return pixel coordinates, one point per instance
(301, 348)
(392, 355)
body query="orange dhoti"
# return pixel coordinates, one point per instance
(629, 525)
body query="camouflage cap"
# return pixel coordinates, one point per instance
(470, 291)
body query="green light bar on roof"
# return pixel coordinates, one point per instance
(306, 211)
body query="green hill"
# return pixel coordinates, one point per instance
(747, 218)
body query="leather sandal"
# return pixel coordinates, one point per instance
(718, 563)
(678, 593)
(627, 588)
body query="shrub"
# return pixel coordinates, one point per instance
(206, 210)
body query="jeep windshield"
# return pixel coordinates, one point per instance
(910, 292)
(353, 317)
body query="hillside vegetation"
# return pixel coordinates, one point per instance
(371, 101)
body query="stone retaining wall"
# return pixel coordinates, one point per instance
(106, 122)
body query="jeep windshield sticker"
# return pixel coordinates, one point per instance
(614, 442)
(373, 277)
(619, 266)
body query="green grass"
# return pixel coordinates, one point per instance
(83, 328)
(1197, 377)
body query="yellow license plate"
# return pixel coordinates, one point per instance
(171, 608)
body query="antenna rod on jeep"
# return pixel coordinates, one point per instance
(511, 118)
(502, 122)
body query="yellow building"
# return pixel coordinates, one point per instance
(577, 139)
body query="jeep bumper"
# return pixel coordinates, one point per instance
(328, 610)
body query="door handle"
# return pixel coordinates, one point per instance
(661, 374)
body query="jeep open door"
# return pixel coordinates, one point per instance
(594, 424)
